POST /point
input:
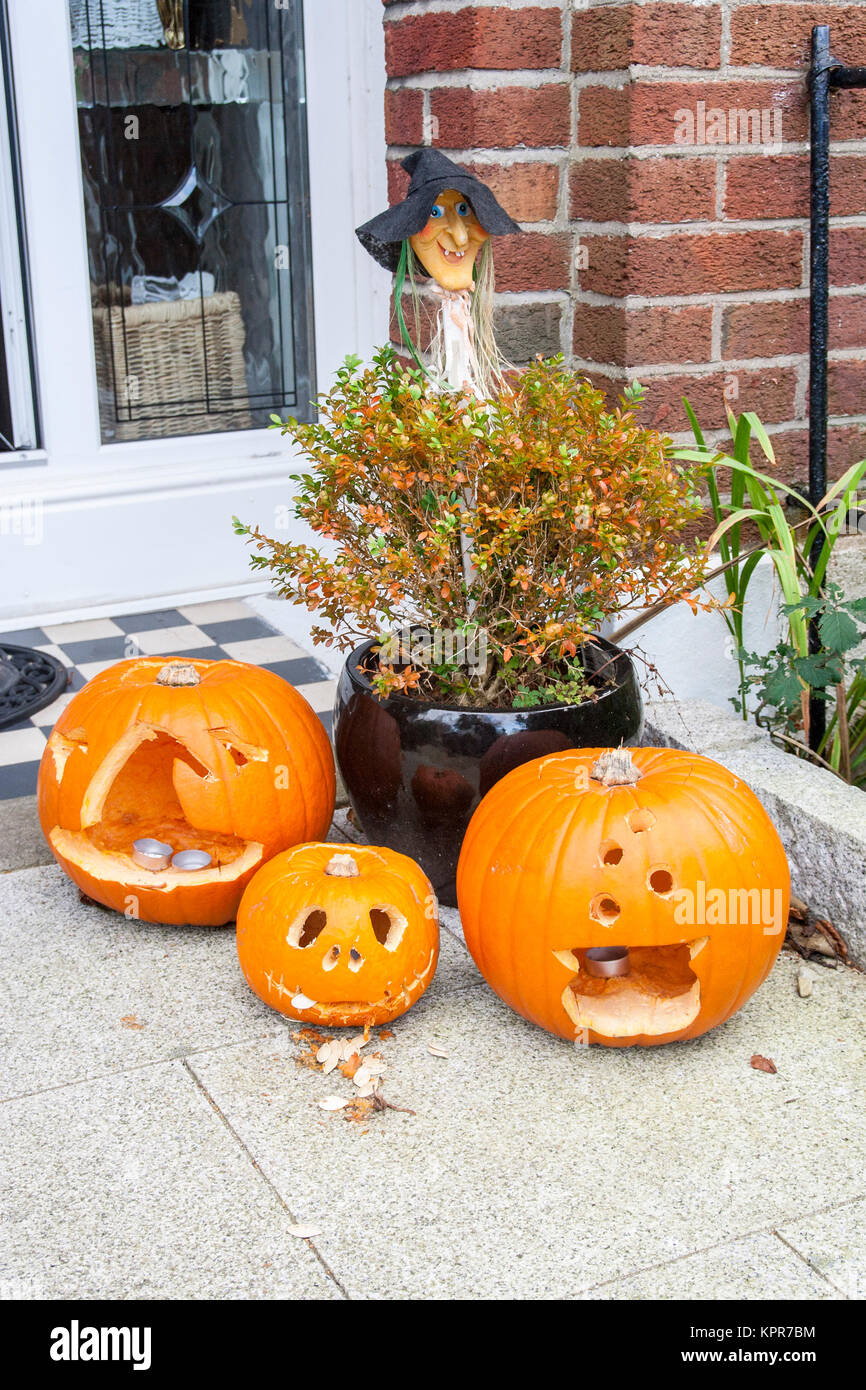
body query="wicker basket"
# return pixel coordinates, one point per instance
(128, 24)
(159, 353)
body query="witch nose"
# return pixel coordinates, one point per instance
(457, 228)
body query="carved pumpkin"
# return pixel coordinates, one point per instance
(216, 756)
(628, 897)
(339, 934)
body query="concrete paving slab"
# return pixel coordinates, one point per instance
(85, 991)
(834, 1243)
(132, 1187)
(756, 1267)
(535, 1169)
(22, 843)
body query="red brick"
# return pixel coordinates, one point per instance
(781, 327)
(474, 38)
(846, 387)
(533, 261)
(848, 255)
(529, 191)
(769, 391)
(404, 118)
(847, 318)
(398, 182)
(624, 337)
(685, 264)
(775, 329)
(847, 115)
(501, 118)
(846, 444)
(646, 113)
(778, 186)
(779, 36)
(423, 331)
(661, 189)
(669, 35)
(598, 190)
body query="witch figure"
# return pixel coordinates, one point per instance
(441, 232)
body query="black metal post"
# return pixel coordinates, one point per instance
(819, 245)
(825, 74)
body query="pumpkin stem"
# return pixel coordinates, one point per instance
(616, 769)
(342, 866)
(178, 673)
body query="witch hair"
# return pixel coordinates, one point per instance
(490, 367)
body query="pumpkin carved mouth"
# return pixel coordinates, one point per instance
(661, 994)
(140, 792)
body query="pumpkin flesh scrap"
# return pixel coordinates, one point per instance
(660, 995)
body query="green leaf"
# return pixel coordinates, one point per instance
(838, 630)
(815, 671)
(783, 689)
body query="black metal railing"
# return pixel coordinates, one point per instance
(826, 74)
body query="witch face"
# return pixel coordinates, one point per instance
(448, 245)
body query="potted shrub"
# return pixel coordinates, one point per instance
(474, 549)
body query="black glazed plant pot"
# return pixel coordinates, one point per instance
(415, 770)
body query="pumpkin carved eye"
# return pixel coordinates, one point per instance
(307, 927)
(388, 926)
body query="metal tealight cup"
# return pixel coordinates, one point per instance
(151, 854)
(607, 961)
(191, 859)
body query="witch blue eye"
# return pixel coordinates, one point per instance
(435, 211)
(463, 209)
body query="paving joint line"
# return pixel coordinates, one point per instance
(137, 1066)
(814, 1268)
(308, 1240)
(720, 1244)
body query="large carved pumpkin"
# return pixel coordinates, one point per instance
(339, 934)
(629, 897)
(217, 756)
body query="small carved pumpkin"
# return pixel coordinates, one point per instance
(634, 896)
(339, 934)
(218, 756)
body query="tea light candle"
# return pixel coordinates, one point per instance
(151, 854)
(190, 859)
(605, 961)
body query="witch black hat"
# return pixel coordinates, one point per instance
(431, 172)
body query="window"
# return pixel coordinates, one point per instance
(194, 160)
(17, 394)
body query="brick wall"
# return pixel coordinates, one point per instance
(659, 244)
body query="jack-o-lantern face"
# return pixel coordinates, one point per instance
(216, 756)
(629, 897)
(339, 934)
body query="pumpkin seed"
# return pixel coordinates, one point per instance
(362, 1076)
(332, 1103)
(304, 1232)
(436, 1051)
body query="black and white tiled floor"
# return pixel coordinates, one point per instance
(223, 628)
